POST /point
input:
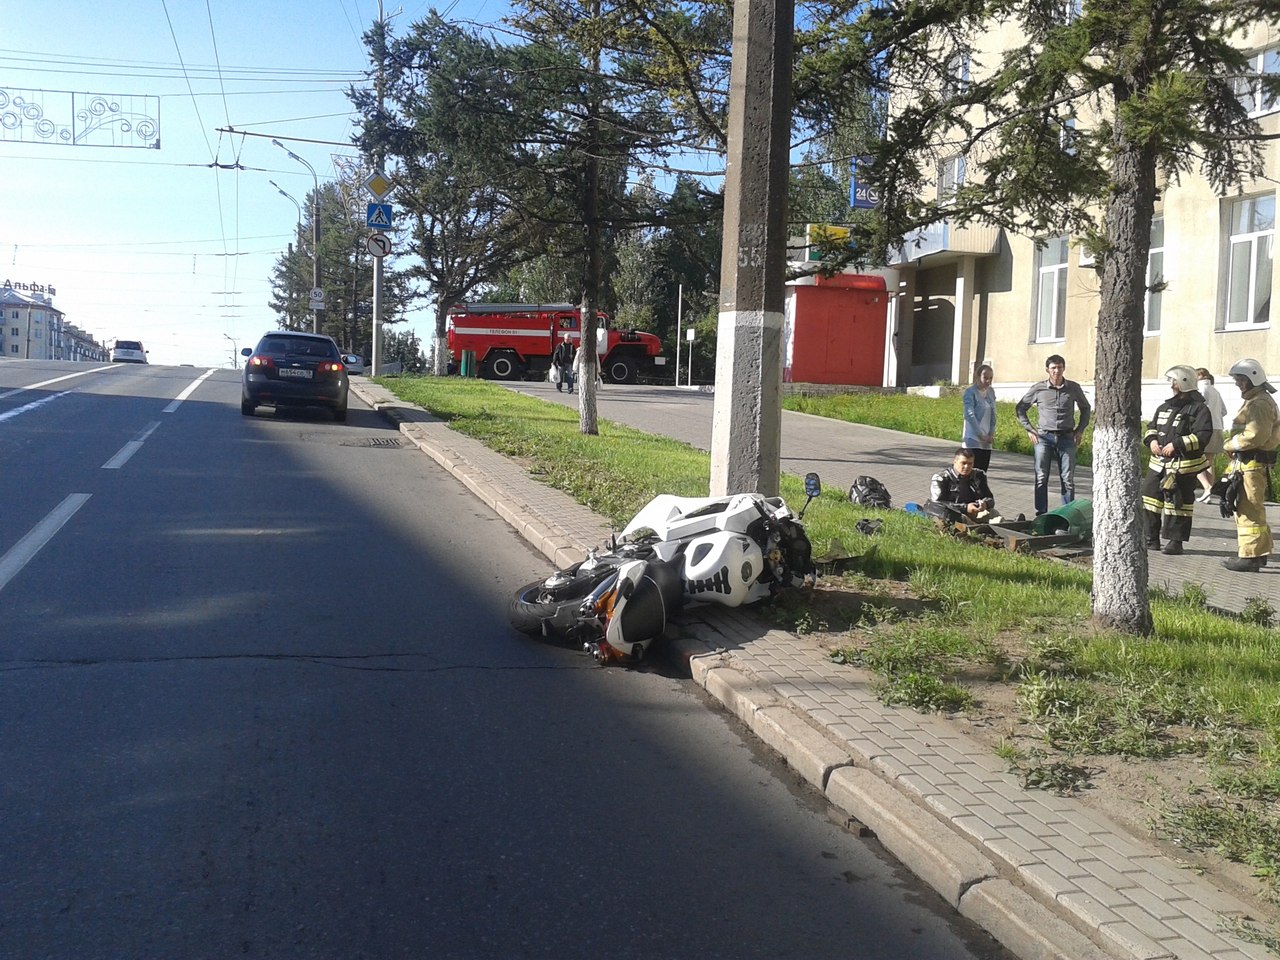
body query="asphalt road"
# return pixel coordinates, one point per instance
(258, 698)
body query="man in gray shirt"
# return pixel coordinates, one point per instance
(1057, 434)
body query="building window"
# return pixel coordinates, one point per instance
(950, 177)
(1051, 289)
(1249, 89)
(1253, 228)
(1067, 136)
(956, 81)
(14, 348)
(1155, 276)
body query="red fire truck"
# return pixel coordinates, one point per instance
(514, 341)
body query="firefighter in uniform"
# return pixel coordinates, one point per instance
(1176, 436)
(1255, 434)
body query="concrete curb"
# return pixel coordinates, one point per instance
(1031, 895)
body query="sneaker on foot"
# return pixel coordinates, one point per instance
(1203, 496)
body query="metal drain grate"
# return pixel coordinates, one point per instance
(372, 442)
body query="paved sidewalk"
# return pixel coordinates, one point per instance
(1044, 875)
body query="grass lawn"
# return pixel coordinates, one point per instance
(1202, 685)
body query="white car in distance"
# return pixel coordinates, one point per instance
(128, 351)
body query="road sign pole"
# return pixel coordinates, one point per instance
(378, 351)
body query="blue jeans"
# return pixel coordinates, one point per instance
(1062, 448)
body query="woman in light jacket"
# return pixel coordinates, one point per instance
(980, 417)
(1218, 412)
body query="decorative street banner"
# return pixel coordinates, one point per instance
(79, 119)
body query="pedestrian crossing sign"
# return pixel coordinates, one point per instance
(379, 216)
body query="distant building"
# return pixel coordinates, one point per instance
(32, 328)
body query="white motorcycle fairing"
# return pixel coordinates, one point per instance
(675, 518)
(724, 567)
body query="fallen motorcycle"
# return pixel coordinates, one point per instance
(730, 550)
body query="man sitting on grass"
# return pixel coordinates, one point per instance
(961, 491)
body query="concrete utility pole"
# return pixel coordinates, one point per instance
(378, 357)
(747, 422)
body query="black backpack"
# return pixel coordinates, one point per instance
(870, 492)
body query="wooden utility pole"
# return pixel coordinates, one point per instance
(747, 421)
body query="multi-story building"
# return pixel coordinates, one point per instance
(975, 294)
(34, 329)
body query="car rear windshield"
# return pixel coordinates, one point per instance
(128, 345)
(298, 347)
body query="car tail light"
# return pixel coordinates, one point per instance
(257, 361)
(328, 367)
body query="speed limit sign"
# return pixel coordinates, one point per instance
(378, 244)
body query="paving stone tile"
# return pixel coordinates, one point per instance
(1134, 942)
(1045, 879)
(1105, 873)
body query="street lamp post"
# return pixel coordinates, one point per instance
(315, 230)
(235, 354)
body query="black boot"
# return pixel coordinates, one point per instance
(1245, 564)
(1173, 548)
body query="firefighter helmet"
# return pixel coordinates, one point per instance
(1183, 375)
(1252, 371)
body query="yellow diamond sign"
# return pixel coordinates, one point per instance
(378, 184)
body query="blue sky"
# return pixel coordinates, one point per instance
(158, 245)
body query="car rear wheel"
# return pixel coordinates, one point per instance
(247, 408)
(340, 414)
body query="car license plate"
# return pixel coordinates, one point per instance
(295, 372)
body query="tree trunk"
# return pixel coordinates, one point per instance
(1119, 532)
(587, 414)
(440, 348)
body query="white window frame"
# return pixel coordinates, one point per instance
(1067, 137)
(1249, 90)
(1055, 275)
(1155, 275)
(1247, 243)
(950, 177)
(956, 80)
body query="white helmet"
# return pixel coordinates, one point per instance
(1252, 371)
(1183, 376)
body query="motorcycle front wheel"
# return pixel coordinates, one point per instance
(533, 604)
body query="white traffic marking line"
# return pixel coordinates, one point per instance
(26, 548)
(69, 376)
(130, 448)
(177, 402)
(27, 407)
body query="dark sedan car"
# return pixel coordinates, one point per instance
(290, 368)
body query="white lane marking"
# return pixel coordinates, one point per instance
(27, 407)
(69, 376)
(26, 548)
(130, 448)
(177, 401)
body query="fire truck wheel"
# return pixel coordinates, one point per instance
(621, 370)
(503, 366)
